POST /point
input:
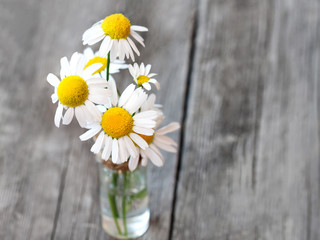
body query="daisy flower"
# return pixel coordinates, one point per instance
(118, 128)
(77, 91)
(114, 30)
(142, 76)
(91, 58)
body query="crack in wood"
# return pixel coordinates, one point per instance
(258, 112)
(184, 115)
(61, 189)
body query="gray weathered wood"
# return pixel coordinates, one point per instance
(250, 162)
(48, 178)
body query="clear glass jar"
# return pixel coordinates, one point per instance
(124, 201)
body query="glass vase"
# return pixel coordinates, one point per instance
(124, 200)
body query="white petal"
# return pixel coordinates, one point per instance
(154, 157)
(159, 106)
(151, 75)
(133, 163)
(87, 73)
(136, 69)
(64, 63)
(115, 67)
(95, 40)
(107, 148)
(92, 33)
(143, 131)
(166, 140)
(131, 70)
(127, 93)
(122, 50)
(134, 47)
(156, 83)
(105, 46)
(68, 116)
(80, 115)
(169, 128)
(135, 101)
(150, 114)
(155, 149)
(115, 151)
(123, 153)
(54, 98)
(99, 99)
(137, 37)
(147, 70)
(53, 80)
(88, 53)
(97, 81)
(98, 144)
(146, 86)
(99, 85)
(130, 146)
(139, 28)
(100, 91)
(103, 108)
(149, 104)
(88, 116)
(90, 133)
(164, 146)
(114, 49)
(74, 63)
(138, 140)
(144, 159)
(113, 88)
(128, 50)
(142, 69)
(81, 64)
(94, 111)
(146, 123)
(65, 67)
(135, 80)
(58, 115)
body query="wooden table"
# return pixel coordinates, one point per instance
(242, 78)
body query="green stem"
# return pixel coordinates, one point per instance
(108, 65)
(112, 202)
(124, 203)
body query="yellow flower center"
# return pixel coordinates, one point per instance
(117, 122)
(148, 139)
(116, 26)
(97, 59)
(142, 79)
(72, 91)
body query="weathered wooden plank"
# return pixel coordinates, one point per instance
(250, 163)
(29, 178)
(48, 178)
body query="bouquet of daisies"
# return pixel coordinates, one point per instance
(123, 124)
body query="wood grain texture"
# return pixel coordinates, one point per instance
(250, 162)
(249, 166)
(48, 178)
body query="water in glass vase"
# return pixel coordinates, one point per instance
(124, 202)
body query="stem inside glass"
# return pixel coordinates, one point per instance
(124, 202)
